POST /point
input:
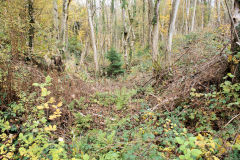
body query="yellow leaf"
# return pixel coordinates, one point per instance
(229, 58)
(59, 104)
(51, 128)
(46, 105)
(52, 100)
(40, 107)
(238, 139)
(52, 117)
(54, 106)
(200, 137)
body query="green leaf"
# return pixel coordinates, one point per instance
(36, 84)
(230, 75)
(45, 92)
(193, 89)
(182, 157)
(192, 139)
(86, 157)
(179, 140)
(196, 152)
(48, 79)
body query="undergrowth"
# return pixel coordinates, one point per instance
(204, 126)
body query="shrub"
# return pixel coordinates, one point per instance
(115, 67)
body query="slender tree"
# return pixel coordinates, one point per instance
(143, 21)
(235, 19)
(92, 33)
(194, 15)
(187, 15)
(150, 15)
(172, 27)
(155, 32)
(125, 32)
(56, 22)
(31, 25)
(64, 25)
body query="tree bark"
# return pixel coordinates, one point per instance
(235, 34)
(143, 22)
(64, 26)
(83, 55)
(218, 4)
(194, 13)
(125, 34)
(31, 26)
(172, 27)
(150, 10)
(92, 36)
(187, 15)
(155, 32)
(56, 23)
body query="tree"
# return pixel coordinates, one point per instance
(155, 32)
(31, 25)
(150, 10)
(56, 24)
(194, 13)
(125, 32)
(115, 67)
(172, 27)
(64, 26)
(92, 33)
(235, 19)
(143, 21)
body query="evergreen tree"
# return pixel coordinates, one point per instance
(115, 67)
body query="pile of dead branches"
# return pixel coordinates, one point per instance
(195, 69)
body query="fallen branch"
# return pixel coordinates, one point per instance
(231, 120)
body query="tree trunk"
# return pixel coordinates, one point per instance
(143, 22)
(125, 34)
(31, 26)
(83, 55)
(194, 13)
(56, 23)
(92, 36)
(218, 4)
(150, 9)
(235, 34)
(64, 27)
(172, 27)
(187, 15)
(112, 23)
(155, 32)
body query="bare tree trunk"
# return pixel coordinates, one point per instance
(125, 34)
(172, 27)
(155, 32)
(112, 23)
(235, 34)
(218, 11)
(31, 26)
(92, 36)
(203, 14)
(194, 13)
(210, 7)
(83, 55)
(150, 9)
(143, 22)
(64, 27)
(103, 27)
(56, 24)
(187, 15)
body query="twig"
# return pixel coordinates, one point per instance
(231, 120)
